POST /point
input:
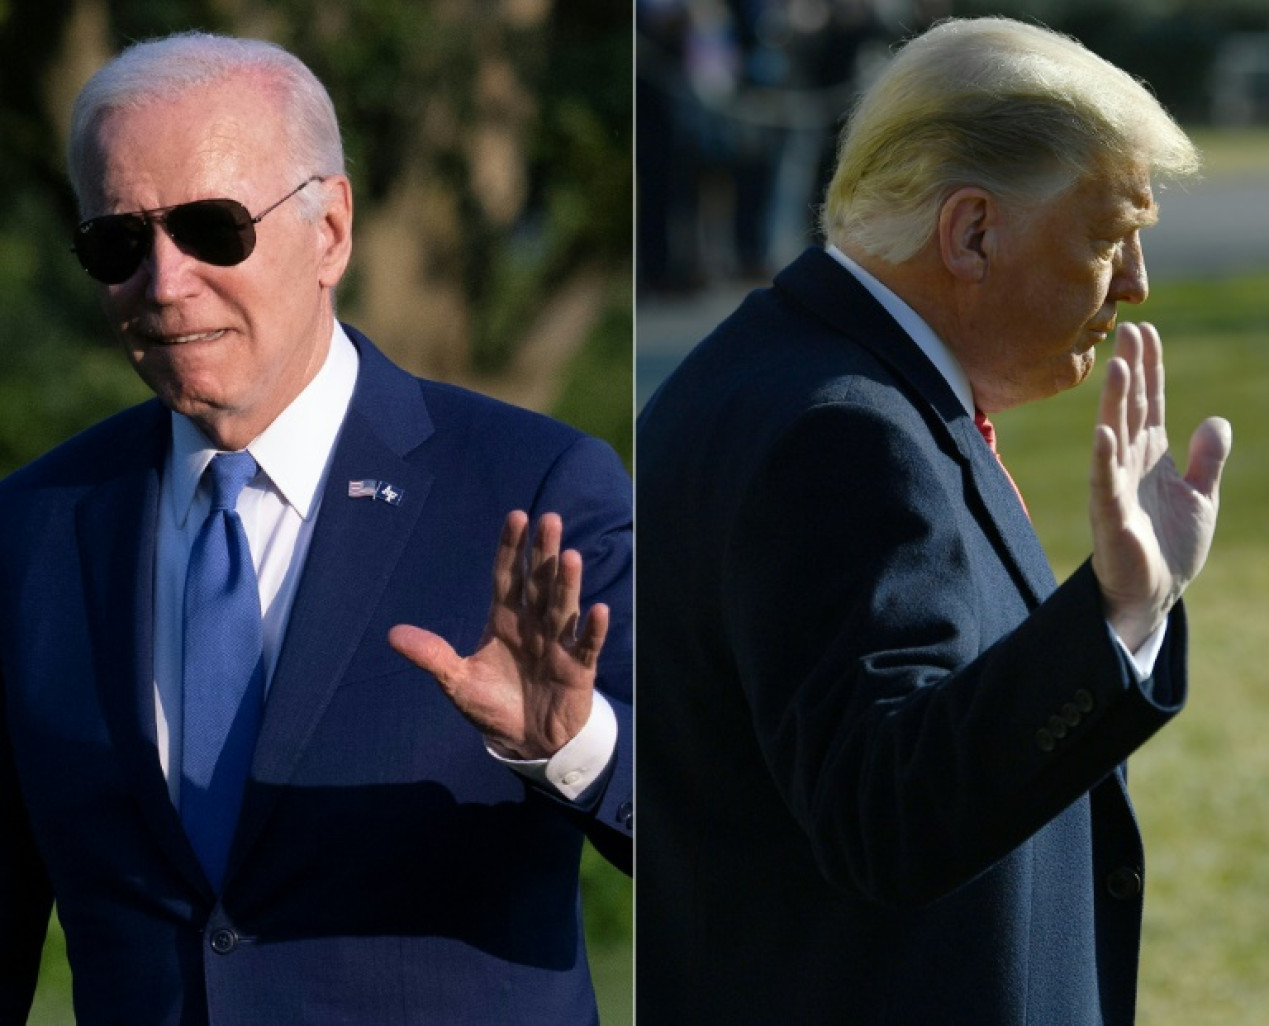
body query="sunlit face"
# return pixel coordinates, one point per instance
(228, 346)
(1050, 291)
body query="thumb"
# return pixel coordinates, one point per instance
(427, 651)
(1209, 449)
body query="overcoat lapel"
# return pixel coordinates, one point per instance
(356, 544)
(116, 524)
(833, 295)
(1013, 529)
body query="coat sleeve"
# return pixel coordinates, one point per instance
(917, 717)
(591, 491)
(26, 897)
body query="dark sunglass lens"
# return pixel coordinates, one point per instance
(111, 248)
(214, 231)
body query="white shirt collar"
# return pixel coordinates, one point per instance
(921, 333)
(293, 450)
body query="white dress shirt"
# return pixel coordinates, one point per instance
(945, 361)
(278, 511)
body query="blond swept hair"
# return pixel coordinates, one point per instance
(1015, 109)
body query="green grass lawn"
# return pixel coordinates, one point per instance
(1201, 786)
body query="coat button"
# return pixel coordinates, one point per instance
(1084, 701)
(1071, 714)
(223, 941)
(1057, 727)
(1124, 883)
(1046, 741)
(625, 814)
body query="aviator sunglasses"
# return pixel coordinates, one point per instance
(216, 231)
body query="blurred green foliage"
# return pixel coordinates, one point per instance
(412, 81)
(600, 383)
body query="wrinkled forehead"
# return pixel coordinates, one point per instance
(1119, 197)
(208, 140)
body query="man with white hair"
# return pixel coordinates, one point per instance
(247, 806)
(880, 749)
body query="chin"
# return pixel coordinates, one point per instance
(192, 398)
(1084, 364)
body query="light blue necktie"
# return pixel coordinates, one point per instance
(224, 670)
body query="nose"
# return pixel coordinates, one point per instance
(171, 274)
(1130, 283)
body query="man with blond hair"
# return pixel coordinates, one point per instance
(880, 749)
(248, 806)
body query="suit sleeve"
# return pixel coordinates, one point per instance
(591, 491)
(918, 719)
(25, 894)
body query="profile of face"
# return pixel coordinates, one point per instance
(1051, 281)
(229, 346)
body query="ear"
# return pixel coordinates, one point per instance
(335, 231)
(967, 222)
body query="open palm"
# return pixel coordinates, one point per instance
(1152, 526)
(530, 683)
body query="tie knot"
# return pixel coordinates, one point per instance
(986, 429)
(228, 473)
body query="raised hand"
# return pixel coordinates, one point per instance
(1152, 527)
(528, 687)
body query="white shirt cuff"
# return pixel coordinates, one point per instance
(1144, 658)
(581, 762)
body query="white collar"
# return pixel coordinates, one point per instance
(921, 333)
(293, 451)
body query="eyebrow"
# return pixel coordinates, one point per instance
(1130, 217)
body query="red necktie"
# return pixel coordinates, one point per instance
(988, 431)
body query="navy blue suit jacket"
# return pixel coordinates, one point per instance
(879, 749)
(385, 870)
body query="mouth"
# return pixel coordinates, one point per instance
(159, 338)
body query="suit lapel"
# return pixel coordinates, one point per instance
(833, 295)
(116, 525)
(1011, 524)
(356, 544)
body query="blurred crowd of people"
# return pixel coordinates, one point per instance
(739, 103)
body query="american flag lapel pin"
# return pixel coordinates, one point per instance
(380, 491)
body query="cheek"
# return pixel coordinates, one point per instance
(119, 303)
(1096, 285)
(1070, 306)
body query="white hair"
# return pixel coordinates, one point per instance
(157, 70)
(1015, 109)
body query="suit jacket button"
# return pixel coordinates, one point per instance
(1045, 740)
(1057, 727)
(1071, 714)
(625, 814)
(223, 941)
(1084, 701)
(1124, 883)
